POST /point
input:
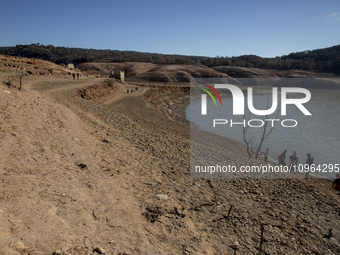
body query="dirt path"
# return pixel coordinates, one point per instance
(77, 174)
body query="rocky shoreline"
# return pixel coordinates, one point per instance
(294, 227)
(110, 174)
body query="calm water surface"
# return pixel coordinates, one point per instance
(318, 134)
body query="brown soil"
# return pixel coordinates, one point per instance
(142, 73)
(147, 72)
(17, 66)
(81, 176)
(98, 90)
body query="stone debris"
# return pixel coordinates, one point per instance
(179, 213)
(100, 250)
(162, 197)
(82, 165)
(19, 245)
(235, 246)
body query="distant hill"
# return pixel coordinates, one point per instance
(320, 60)
(149, 72)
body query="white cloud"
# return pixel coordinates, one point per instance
(332, 18)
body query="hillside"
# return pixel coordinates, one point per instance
(320, 60)
(109, 174)
(145, 72)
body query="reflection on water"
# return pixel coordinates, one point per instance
(317, 134)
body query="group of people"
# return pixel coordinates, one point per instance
(293, 160)
(131, 90)
(79, 75)
(293, 165)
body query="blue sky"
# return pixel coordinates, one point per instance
(266, 28)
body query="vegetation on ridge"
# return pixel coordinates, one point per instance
(325, 60)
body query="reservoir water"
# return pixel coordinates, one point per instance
(318, 134)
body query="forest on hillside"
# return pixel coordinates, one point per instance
(321, 60)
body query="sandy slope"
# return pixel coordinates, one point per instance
(78, 174)
(47, 200)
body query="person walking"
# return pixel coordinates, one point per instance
(282, 158)
(265, 154)
(293, 162)
(336, 183)
(309, 163)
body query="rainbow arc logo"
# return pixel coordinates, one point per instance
(209, 93)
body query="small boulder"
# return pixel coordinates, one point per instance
(19, 246)
(100, 250)
(82, 165)
(235, 246)
(162, 197)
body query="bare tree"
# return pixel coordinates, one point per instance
(265, 132)
(248, 141)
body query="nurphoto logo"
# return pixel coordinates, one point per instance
(239, 105)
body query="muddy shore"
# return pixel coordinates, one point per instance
(113, 172)
(161, 100)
